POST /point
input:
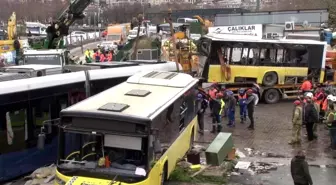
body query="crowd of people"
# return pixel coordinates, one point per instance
(222, 103)
(99, 54)
(315, 106)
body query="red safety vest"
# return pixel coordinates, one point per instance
(325, 105)
(241, 97)
(318, 101)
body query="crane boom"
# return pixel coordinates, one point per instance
(60, 28)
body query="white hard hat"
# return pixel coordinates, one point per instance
(330, 97)
(310, 95)
(333, 99)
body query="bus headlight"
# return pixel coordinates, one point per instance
(59, 181)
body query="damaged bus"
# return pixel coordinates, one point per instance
(133, 133)
(278, 66)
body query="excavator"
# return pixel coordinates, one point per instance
(11, 46)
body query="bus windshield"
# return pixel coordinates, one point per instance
(43, 59)
(106, 155)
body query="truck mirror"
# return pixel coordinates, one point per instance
(41, 141)
(157, 146)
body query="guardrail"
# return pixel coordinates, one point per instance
(72, 41)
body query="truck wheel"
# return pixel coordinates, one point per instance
(272, 96)
(270, 79)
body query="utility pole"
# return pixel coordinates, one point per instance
(99, 24)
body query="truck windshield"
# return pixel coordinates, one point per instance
(43, 59)
(91, 155)
(113, 37)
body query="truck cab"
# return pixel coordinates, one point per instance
(59, 57)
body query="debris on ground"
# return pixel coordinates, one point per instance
(251, 153)
(41, 176)
(243, 167)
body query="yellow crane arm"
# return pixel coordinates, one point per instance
(11, 28)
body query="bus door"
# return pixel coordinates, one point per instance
(315, 55)
(295, 59)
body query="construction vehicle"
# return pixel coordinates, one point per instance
(179, 47)
(205, 23)
(60, 28)
(10, 47)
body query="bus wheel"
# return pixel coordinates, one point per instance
(272, 96)
(270, 79)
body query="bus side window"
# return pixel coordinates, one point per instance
(12, 131)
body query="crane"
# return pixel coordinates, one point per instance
(60, 27)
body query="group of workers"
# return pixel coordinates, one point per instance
(316, 105)
(222, 103)
(99, 54)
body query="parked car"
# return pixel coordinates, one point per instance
(79, 34)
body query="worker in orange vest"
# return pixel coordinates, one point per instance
(212, 93)
(306, 86)
(109, 56)
(102, 57)
(319, 95)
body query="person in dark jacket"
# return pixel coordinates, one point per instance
(217, 109)
(202, 105)
(310, 117)
(250, 102)
(231, 108)
(299, 170)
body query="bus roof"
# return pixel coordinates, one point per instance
(143, 96)
(16, 86)
(248, 38)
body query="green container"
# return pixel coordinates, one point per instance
(219, 149)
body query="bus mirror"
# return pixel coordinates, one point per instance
(41, 141)
(157, 146)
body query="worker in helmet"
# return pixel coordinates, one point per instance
(310, 116)
(316, 103)
(306, 86)
(242, 97)
(250, 102)
(297, 123)
(202, 105)
(231, 108)
(217, 109)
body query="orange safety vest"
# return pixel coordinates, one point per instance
(325, 105)
(109, 57)
(241, 97)
(102, 58)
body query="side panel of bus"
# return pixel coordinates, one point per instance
(179, 134)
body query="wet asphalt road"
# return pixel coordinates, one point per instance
(272, 133)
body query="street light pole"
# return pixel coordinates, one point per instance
(99, 19)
